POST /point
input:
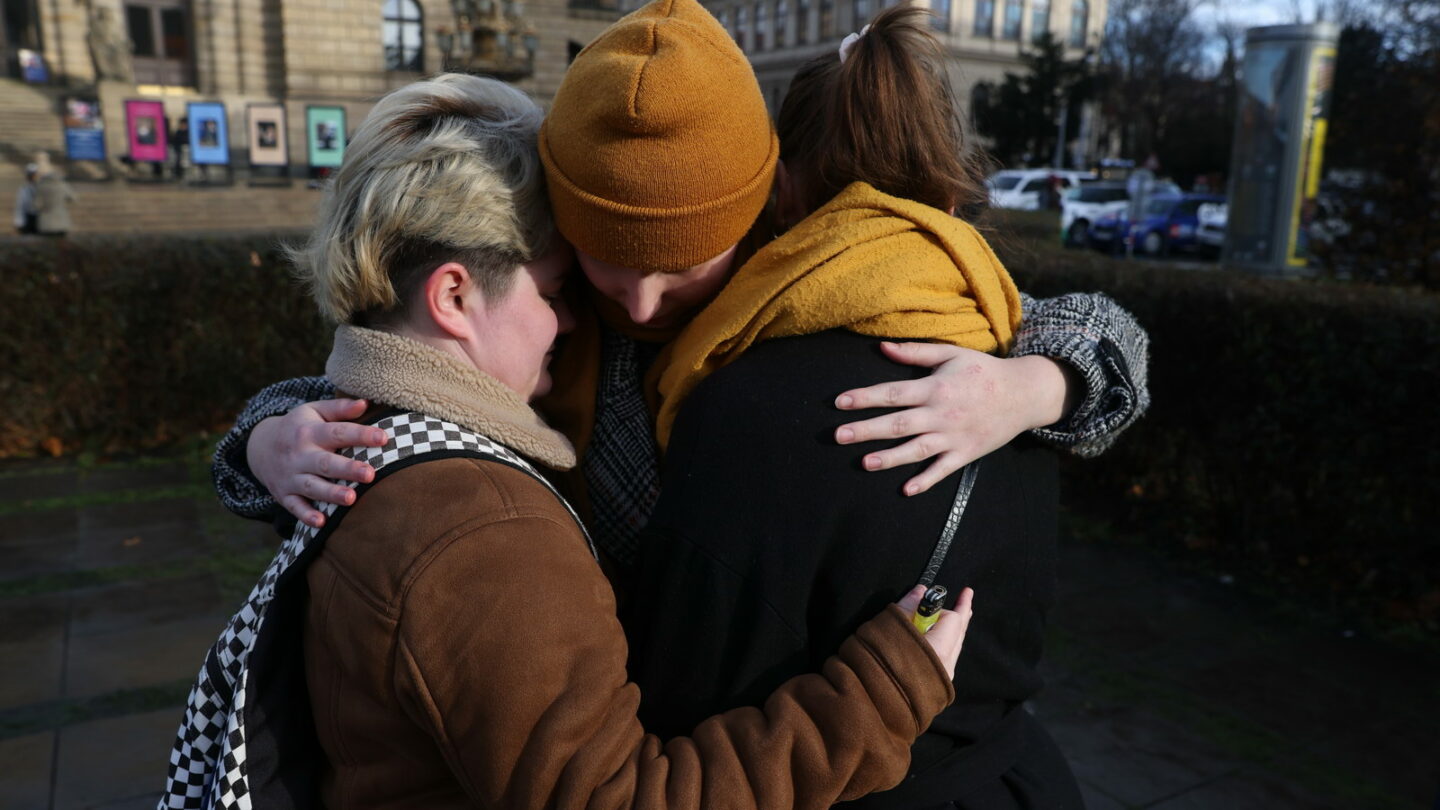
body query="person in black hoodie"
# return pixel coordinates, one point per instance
(769, 543)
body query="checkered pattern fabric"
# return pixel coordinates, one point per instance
(621, 464)
(208, 763)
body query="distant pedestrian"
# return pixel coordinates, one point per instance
(27, 214)
(53, 197)
(179, 142)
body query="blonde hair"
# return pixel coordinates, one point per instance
(440, 170)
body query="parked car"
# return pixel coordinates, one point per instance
(1168, 224)
(1022, 189)
(1210, 232)
(1084, 206)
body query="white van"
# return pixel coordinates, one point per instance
(1022, 189)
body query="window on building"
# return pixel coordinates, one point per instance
(827, 19)
(1011, 27)
(742, 27)
(402, 31)
(782, 23)
(862, 13)
(572, 50)
(802, 25)
(984, 18)
(19, 28)
(161, 35)
(762, 21)
(1079, 21)
(941, 10)
(1039, 18)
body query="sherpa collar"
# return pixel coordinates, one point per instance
(395, 370)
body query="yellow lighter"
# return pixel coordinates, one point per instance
(929, 611)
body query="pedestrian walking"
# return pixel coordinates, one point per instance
(53, 197)
(27, 215)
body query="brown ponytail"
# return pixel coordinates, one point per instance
(886, 116)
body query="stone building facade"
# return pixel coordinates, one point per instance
(240, 52)
(985, 38)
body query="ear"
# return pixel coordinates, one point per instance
(447, 300)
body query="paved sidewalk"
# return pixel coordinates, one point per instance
(114, 582)
(1166, 690)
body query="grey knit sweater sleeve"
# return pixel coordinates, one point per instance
(1110, 353)
(236, 485)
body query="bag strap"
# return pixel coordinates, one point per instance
(952, 524)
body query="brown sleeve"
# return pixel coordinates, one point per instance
(510, 654)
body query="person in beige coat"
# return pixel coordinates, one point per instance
(52, 200)
(460, 641)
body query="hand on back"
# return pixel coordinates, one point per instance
(294, 456)
(969, 406)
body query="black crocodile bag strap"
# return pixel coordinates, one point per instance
(952, 524)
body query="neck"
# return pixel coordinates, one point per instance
(438, 339)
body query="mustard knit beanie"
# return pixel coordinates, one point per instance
(658, 150)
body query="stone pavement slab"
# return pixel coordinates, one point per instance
(44, 525)
(25, 771)
(1169, 688)
(137, 657)
(42, 485)
(32, 645)
(121, 759)
(148, 476)
(26, 557)
(130, 605)
(148, 532)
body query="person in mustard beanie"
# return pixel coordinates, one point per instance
(658, 150)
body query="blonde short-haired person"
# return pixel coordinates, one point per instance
(460, 643)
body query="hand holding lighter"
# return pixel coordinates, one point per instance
(929, 611)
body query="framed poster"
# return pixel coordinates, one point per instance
(269, 145)
(209, 133)
(147, 132)
(84, 129)
(325, 135)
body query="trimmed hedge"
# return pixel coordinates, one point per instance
(1290, 434)
(116, 344)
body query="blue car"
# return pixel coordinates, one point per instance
(1168, 224)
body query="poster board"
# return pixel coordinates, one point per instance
(146, 131)
(209, 133)
(269, 142)
(325, 136)
(1304, 210)
(84, 129)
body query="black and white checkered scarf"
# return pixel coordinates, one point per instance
(225, 754)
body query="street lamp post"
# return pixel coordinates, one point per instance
(1058, 161)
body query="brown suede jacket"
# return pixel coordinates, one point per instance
(462, 649)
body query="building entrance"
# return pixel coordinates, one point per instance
(19, 29)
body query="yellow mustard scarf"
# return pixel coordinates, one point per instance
(866, 262)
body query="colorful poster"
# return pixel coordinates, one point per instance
(325, 134)
(209, 133)
(148, 133)
(1318, 84)
(265, 124)
(84, 129)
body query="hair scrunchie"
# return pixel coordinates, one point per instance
(849, 41)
